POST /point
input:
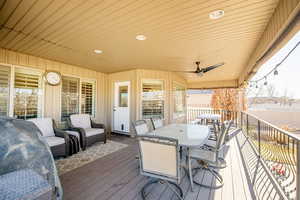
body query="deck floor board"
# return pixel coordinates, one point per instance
(116, 176)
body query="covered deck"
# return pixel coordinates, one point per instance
(101, 66)
(116, 176)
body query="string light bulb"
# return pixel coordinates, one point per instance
(274, 70)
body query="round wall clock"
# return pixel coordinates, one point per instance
(52, 77)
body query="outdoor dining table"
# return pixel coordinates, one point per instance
(209, 116)
(188, 136)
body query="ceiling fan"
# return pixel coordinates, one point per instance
(201, 71)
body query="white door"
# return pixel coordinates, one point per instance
(121, 119)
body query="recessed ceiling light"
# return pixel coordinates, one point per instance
(97, 51)
(216, 14)
(141, 37)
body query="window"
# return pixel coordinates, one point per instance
(77, 97)
(4, 90)
(123, 96)
(88, 98)
(21, 92)
(69, 97)
(179, 100)
(27, 94)
(152, 99)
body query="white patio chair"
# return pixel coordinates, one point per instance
(212, 143)
(140, 127)
(157, 122)
(159, 160)
(207, 156)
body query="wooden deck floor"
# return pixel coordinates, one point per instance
(116, 176)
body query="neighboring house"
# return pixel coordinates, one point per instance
(199, 98)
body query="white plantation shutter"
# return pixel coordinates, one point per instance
(4, 90)
(87, 98)
(152, 99)
(26, 98)
(69, 97)
(179, 100)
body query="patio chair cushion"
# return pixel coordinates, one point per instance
(153, 163)
(93, 131)
(211, 143)
(158, 123)
(54, 141)
(202, 154)
(45, 125)
(75, 133)
(141, 129)
(81, 120)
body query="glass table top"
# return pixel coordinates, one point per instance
(210, 116)
(187, 134)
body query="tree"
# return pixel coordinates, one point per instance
(229, 100)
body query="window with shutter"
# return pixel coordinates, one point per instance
(87, 98)
(4, 90)
(27, 95)
(69, 97)
(152, 99)
(179, 100)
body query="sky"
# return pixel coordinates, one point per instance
(288, 78)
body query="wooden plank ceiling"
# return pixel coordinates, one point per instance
(178, 32)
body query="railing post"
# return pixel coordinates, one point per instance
(298, 172)
(247, 124)
(242, 120)
(236, 118)
(258, 132)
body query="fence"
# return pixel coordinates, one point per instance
(277, 149)
(194, 112)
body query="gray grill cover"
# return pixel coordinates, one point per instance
(22, 147)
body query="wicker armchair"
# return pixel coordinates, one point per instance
(58, 140)
(89, 131)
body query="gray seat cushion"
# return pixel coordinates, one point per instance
(54, 141)
(93, 131)
(201, 154)
(45, 125)
(211, 143)
(81, 120)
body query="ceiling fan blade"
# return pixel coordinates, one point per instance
(185, 71)
(207, 69)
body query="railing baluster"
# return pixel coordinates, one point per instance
(242, 120)
(259, 144)
(298, 172)
(247, 124)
